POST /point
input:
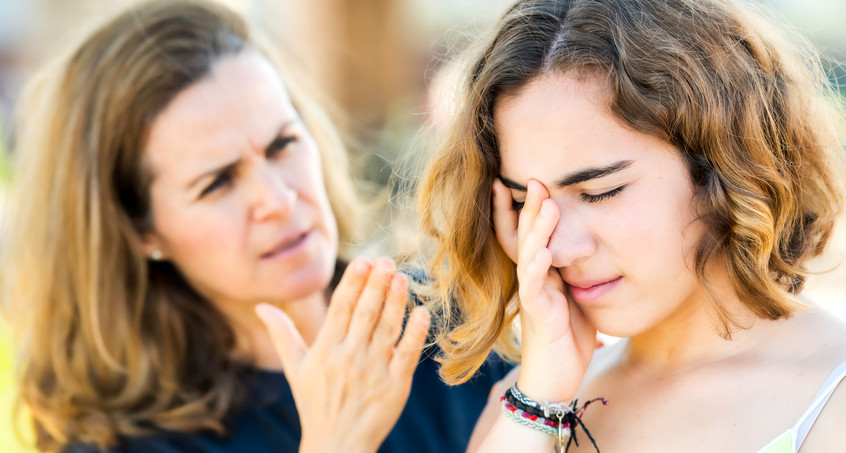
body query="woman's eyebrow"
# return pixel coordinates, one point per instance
(273, 145)
(279, 141)
(576, 177)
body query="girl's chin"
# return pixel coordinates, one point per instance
(616, 326)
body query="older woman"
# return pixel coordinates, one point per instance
(171, 179)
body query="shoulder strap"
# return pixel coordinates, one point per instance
(810, 416)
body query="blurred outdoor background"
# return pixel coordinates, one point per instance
(375, 59)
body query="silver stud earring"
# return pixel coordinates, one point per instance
(156, 255)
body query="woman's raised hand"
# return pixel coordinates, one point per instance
(351, 385)
(557, 340)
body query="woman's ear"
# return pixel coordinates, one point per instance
(153, 247)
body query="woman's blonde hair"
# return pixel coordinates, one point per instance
(747, 105)
(110, 344)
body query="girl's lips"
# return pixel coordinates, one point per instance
(592, 293)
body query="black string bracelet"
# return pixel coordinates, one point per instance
(574, 419)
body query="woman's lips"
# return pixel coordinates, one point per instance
(287, 247)
(592, 293)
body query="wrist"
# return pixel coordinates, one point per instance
(550, 371)
(544, 391)
(542, 380)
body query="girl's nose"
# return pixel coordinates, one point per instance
(572, 240)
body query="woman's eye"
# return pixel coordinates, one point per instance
(603, 196)
(221, 180)
(278, 145)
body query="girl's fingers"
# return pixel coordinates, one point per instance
(536, 235)
(287, 340)
(536, 193)
(583, 330)
(532, 279)
(369, 306)
(504, 219)
(390, 322)
(407, 352)
(344, 300)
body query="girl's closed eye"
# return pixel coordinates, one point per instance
(517, 205)
(603, 196)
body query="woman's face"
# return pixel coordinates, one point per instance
(624, 243)
(238, 199)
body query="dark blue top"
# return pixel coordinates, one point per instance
(437, 418)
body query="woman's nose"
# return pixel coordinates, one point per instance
(571, 241)
(272, 196)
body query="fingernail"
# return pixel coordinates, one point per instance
(361, 266)
(386, 266)
(398, 284)
(266, 312)
(423, 317)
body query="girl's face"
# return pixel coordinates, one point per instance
(238, 199)
(625, 241)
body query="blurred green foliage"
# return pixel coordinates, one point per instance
(9, 442)
(5, 161)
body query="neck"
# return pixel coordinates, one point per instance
(693, 335)
(253, 339)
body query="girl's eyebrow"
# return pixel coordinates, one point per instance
(576, 177)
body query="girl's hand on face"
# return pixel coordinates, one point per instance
(557, 340)
(351, 385)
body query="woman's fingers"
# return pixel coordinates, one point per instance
(360, 374)
(407, 352)
(344, 300)
(390, 322)
(287, 340)
(369, 307)
(504, 219)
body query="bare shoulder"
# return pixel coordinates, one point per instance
(820, 334)
(827, 433)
